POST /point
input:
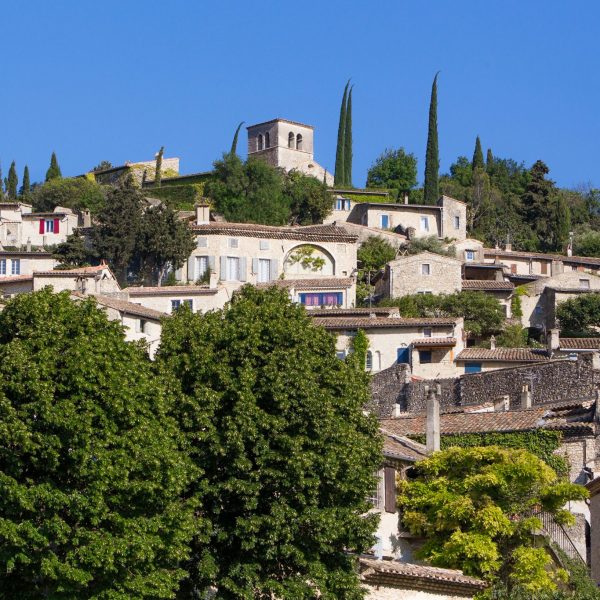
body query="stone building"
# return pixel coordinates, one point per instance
(288, 145)
(23, 262)
(594, 490)
(141, 172)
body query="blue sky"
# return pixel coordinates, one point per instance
(116, 80)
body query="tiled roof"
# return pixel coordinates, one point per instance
(12, 278)
(402, 574)
(580, 343)
(593, 486)
(434, 341)
(380, 322)
(356, 312)
(279, 119)
(483, 284)
(79, 272)
(503, 354)
(572, 290)
(309, 233)
(171, 290)
(305, 284)
(33, 253)
(123, 306)
(400, 447)
(479, 265)
(583, 260)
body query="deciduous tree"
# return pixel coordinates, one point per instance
(77, 193)
(580, 315)
(310, 202)
(393, 169)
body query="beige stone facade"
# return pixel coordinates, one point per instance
(469, 250)
(424, 273)
(24, 263)
(166, 299)
(594, 490)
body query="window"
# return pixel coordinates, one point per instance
(322, 299)
(264, 244)
(15, 266)
(140, 325)
(427, 332)
(369, 362)
(469, 254)
(233, 242)
(232, 269)
(290, 140)
(424, 357)
(264, 270)
(424, 292)
(299, 142)
(201, 266)
(376, 497)
(202, 242)
(473, 367)
(342, 204)
(584, 284)
(341, 354)
(424, 223)
(267, 140)
(385, 221)
(456, 222)
(2, 266)
(49, 225)
(403, 355)
(175, 304)
(425, 269)
(260, 141)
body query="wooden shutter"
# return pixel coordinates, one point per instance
(56, 225)
(390, 489)
(274, 269)
(42, 227)
(243, 268)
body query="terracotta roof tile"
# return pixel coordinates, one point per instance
(124, 306)
(171, 290)
(589, 260)
(12, 278)
(482, 284)
(503, 354)
(79, 272)
(434, 341)
(355, 312)
(303, 284)
(580, 343)
(400, 447)
(381, 322)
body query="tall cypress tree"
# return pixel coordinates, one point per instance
(26, 187)
(13, 181)
(489, 160)
(432, 159)
(53, 171)
(348, 143)
(235, 138)
(477, 155)
(158, 170)
(339, 153)
(562, 223)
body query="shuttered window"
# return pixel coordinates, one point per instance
(390, 489)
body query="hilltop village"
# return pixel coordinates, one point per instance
(471, 332)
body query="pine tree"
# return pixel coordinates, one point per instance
(26, 187)
(339, 153)
(53, 171)
(489, 160)
(235, 138)
(432, 159)
(477, 155)
(348, 142)
(13, 182)
(158, 170)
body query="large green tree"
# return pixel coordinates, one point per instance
(13, 182)
(393, 169)
(474, 508)
(276, 423)
(310, 201)
(340, 172)
(580, 315)
(92, 474)
(77, 193)
(432, 158)
(72, 252)
(375, 253)
(53, 171)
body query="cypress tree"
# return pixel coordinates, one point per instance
(348, 143)
(339, 153)
(26, 187)
(13, 181)
(477, 155)
(1, 183)
(432, 158)
(158, 170)
(489, 160)
(562, 223)
(235, 138)
(53, 171)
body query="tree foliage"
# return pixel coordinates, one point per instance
(26, 187)
(375, 253)
(275, 421)
(309, 200)
(72, 252)
(76, 193)
(587, 243)
(477, 162)
(432, 158)
(158, 167)
(580, 315)
(13, 182)
(340, 172)
(430, 243)
(393, 169)
(92, 474)
(53, 171)
(348, 142)
(474, 507)
(235, 139)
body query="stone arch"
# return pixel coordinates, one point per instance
(300, 261)
(299, 142)
(260, 141)
(291, 139)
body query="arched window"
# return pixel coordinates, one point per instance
(267, 140)
(369, 364)
(299, 142)
(291, 137)
(260, 141)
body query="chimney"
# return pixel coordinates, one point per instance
(433, 421)
(87, 218)
(508, 245)
(212, 283)
(493, 342)
(552, 341)
(502, 404)
(525, 397)
(397, 411)
(202, 213)
(28, 244)
(405, 197)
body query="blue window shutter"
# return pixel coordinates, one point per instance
(223, 267)
(255, 266)
(243, 268)
(274, 269)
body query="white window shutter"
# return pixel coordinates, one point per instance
(255, 266)
(274, 269)
(223, 268)
(243, 268)
(190, 269)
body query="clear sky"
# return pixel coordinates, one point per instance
(115, 80)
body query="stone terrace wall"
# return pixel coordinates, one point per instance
(387, 389)
(415, 394)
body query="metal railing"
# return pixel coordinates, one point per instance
(556, 532)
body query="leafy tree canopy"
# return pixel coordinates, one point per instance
(102, 165)
(72, 252)
(580, 315)
(53, 171)
(393, 169)
(78, 193)
(474, 507)
(587, 243)
(430, 243)
(275, 420)
(375, 253)
(91, 472)
(310, 202)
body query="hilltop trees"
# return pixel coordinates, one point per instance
(432, 160)
(275, 422)
(26, 187)
(53, 171)
(393, 169)
(77, 193)
(158, 167)
(92, 475)
(12, 182)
